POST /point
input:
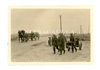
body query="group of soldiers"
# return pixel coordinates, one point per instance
(60, 43)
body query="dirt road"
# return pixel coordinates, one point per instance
(39, 51)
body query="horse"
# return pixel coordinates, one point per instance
(34, 35)
(19, 35)
(24, 36)
(37, 35)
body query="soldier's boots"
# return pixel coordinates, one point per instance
(60, 52)
(68, 48)
(31, 39)
(73, 49)
(54, 51)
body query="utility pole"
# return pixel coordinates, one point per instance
(81, 31)
(60, 25)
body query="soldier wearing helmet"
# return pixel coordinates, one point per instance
(61, 41)
(72, 40)
(50, 41)
(55, 43)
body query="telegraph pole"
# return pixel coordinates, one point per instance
(81, 31)
(60, 25)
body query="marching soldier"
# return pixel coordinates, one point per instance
(55, 43)
(61, 41)
(77, 41)
(72, 40)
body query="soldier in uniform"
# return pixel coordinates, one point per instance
(61, 40)
(50, 41)
(77, 41)
(72, 40)
(55, 43)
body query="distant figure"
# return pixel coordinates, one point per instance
(19, 35)
(77, 41)
(50, 41)
(72, 40)
(55, 43)
(61, 42)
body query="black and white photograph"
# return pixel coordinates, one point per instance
(50, 34)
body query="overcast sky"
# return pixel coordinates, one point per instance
(48, 19)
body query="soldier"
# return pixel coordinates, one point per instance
(61, 40)
(72, 40)
(50, 41)
(54, 43)
(77, 41)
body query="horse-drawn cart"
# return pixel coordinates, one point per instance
(76, 43)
